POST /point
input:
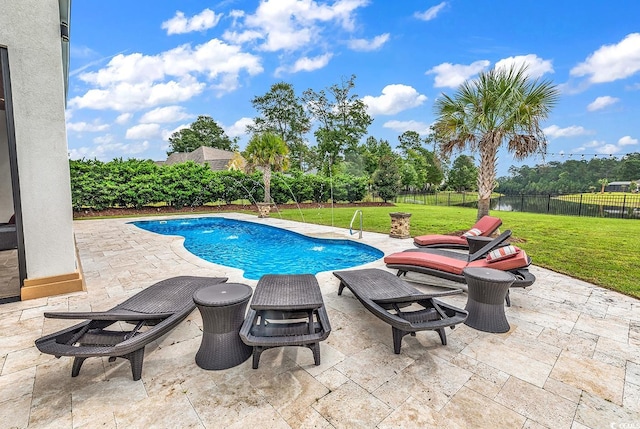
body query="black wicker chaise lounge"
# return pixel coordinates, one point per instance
(158, 308)
(389, 298)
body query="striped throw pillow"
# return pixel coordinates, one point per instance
(473, 232)
(502, 253)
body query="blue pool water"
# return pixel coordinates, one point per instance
(260, 249)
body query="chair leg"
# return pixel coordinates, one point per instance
(77, 364)
(507, 299)
(443, 336)
(397, 339)
(257, 351)
(340, 288)
(136, 358)
(315, 348)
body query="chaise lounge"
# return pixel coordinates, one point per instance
(450, 264)
(484, 227)
(389, 298)
(159, 308)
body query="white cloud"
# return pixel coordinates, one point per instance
(555, 131)
(536, 66)
(85, 127)
(136, 81)
(124, 118)
(306, 64)
(601, 103)
(179, 24)
(602, 147)
(239, 38)
(239, 128)
(143, 131)
(368, 45)
(395, 98)
(611, 62)
(627, 140)
(430, 13)
(166, 114)
(452, 75)
(402, 126)
(108, 151)
(168, 133)
(293, 24)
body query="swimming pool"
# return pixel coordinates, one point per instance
(261, 249)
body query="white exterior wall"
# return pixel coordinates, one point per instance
(30, 30)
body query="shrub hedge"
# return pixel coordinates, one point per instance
(137, 183)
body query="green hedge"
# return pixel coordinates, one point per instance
(136, 183)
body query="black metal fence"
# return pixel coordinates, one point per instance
(623, 206)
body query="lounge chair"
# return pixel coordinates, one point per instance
(484, 227)
(160, 307)
(449, 264)
(387, 297)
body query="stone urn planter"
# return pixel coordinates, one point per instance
(264, 209)
(400, 225)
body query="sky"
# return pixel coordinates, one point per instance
(141, 70)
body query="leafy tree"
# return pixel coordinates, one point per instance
(409, 140)
(629, 168)
(463, 175)
(386, 179)
(204, 131)
(281, 113)
(268, 151)
(603, 183)
(342, 120)
(500, 106)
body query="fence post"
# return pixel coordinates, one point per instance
(449, 200)
(521, 203)
(549, 204)
(580, 206)
(624, 203)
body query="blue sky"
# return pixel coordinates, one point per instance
(142, 69)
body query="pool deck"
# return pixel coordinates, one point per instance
(570, 360)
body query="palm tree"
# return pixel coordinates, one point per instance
(500, 106)
(268, 151)
(603, 183)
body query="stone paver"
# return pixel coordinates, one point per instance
(571, 358)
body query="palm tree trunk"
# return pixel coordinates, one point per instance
(487, 173)
(266, 177)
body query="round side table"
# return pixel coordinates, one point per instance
(488, 288)
(222, 307)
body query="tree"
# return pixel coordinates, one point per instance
(386, 179)
(500, 106)
(409, 140)
(342, 120)
(204, 131)
(603, 183)
(268, 151)
(281, 113)
(463, 174)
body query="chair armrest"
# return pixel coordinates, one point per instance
(108, 315)
(416, 297)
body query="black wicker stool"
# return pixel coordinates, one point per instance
(223, 309)
(485, 303)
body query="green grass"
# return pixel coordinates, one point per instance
(597, 250)
(619, 199)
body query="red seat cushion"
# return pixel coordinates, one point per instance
(427, 240)
(427, 260)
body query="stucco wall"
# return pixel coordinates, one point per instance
(30, 29)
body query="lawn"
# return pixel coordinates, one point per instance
(598, 250)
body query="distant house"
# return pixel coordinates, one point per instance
(217, 159)
(621, 186)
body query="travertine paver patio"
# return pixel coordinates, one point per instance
(570, 360)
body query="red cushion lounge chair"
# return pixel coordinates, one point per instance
(449, 264)
(486, 226)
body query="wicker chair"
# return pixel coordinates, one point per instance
(160, 307)
(387, 297)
